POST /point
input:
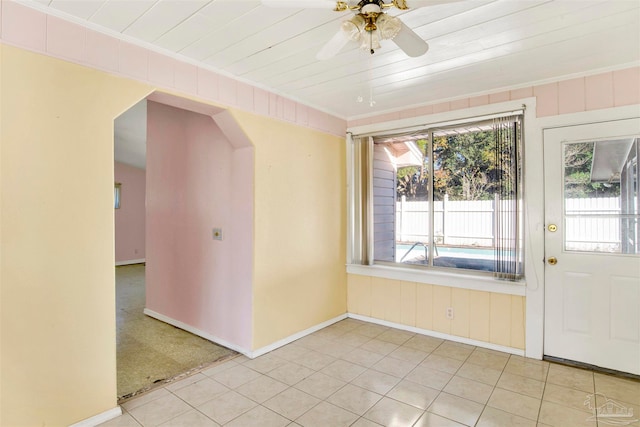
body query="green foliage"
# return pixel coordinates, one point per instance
(465, 167)
(578, 159)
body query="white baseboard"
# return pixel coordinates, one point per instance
(100, 418)
(441, 335)
(249, 353)
(296, 336)
(196, 331)
(129, 262)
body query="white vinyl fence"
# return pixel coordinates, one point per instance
(473, 223)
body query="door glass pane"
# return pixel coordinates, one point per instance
(601, 211)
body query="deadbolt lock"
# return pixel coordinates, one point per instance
(552, 260)
(552, 228)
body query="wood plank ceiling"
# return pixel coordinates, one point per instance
(476, 46)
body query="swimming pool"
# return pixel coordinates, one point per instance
(449, 256)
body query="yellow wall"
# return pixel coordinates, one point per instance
(300, 228)
(57, 277)
(483, 316)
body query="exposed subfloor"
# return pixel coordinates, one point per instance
(150, 351)
(365, 375)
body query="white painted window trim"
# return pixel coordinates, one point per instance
(533, 283)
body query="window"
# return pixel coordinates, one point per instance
(446, 197)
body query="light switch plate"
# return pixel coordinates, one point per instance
(217, 234)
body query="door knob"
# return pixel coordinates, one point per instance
(552, 260)
(552, 228)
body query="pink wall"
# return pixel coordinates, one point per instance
(596, 92)
(130, 218)
(34, 30)
(198, 180)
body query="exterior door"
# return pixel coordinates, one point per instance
(592, 252)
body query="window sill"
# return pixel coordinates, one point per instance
(440, 278)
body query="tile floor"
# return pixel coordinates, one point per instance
(148, 350)
(360, 374)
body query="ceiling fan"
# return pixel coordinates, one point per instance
(369, 25)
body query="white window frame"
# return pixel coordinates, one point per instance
(462, 279)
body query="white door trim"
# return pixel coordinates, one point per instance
(534, 195)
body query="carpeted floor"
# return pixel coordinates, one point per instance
(150, 351)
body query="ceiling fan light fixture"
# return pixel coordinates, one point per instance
(388, 26)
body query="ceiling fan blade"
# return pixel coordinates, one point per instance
(410, 42)
(301, 4)
(333, 46)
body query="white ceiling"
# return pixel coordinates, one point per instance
(477, 46)
(130, 136)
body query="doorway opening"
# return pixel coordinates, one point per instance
(149, 351)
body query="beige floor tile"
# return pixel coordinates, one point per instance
(456, 408)
(525, 368)
(429, 377)
(192, 418)
(236, 376)
(352, 339)
(197, 393)
(363, 357)
(291, 403)
(314, 360)
(413, 394)
(227, 407)
(354, 399)
(429, 419)
(469, 389)
(395, 336)
(265, 363)
(565, 396)
(375, 381)
(610, 411)
(335, 349)
(617, 388)
(329, 334)
(391, 413)
(219, 367)
(454, 350)
(379, 346)
(492, 417)
(291, 373)
(567, 376)
(397, 368)
(515, 403)
(259, 416)
(493, 360)
(159, 411)
(192, 379)
(479, 373)
(124, 420)
(320, 385)
(261, 389)
(370, 330)
(145, 398)
(442, 363)
(363, 422)
(561, 416)
(325, 414)
(291, 352)
(522, 385)
(343, 370)
(423, 343)
(408, 354)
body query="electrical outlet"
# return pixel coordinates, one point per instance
(449, 313)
